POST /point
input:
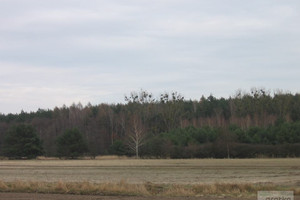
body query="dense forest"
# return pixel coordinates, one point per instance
(248, 124)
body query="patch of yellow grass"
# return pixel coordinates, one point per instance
(147, 189)
(3, 186)
(232, 188)
(60, 187)
(297, 191)
(178, 190)
(243, 189)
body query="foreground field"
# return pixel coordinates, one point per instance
(155, 171)
(25, 196)
(195, 177)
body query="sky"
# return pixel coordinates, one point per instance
(56, 52)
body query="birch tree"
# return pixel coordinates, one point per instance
(136, 136)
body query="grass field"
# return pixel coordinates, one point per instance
(190, 175)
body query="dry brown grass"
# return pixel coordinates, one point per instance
(178, 171)
(147, 189)
(83, 188)
(191, 177)
(229, 189)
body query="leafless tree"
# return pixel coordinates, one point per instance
(136, 136)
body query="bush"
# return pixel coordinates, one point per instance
(71, 144)
(22, 141)
(118, 148)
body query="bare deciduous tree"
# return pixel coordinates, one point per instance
(136, 136)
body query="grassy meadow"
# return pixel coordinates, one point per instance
(189, 177)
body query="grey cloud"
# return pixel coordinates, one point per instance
(100, 50)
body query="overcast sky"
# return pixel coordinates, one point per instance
(55, 52)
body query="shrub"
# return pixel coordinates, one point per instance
(71, 144)
(22, 141)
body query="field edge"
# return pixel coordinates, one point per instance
(123, 188)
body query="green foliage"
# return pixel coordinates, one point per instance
(285, 133)
(155, 147)
(281, 133)
(22, 141)
(191, 142)
(191, 135)
(71, 144)
(118, 148)
(211, 106)
(263, 121)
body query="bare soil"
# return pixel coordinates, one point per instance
(26, 196)
(190, 171)
(284, 172)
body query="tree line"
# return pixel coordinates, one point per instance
(248, 124)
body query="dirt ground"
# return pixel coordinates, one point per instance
(26, 196)
(178, 171)
(277, 171)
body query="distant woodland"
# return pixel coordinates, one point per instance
(248, 124)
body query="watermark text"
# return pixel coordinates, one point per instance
(275, 195)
